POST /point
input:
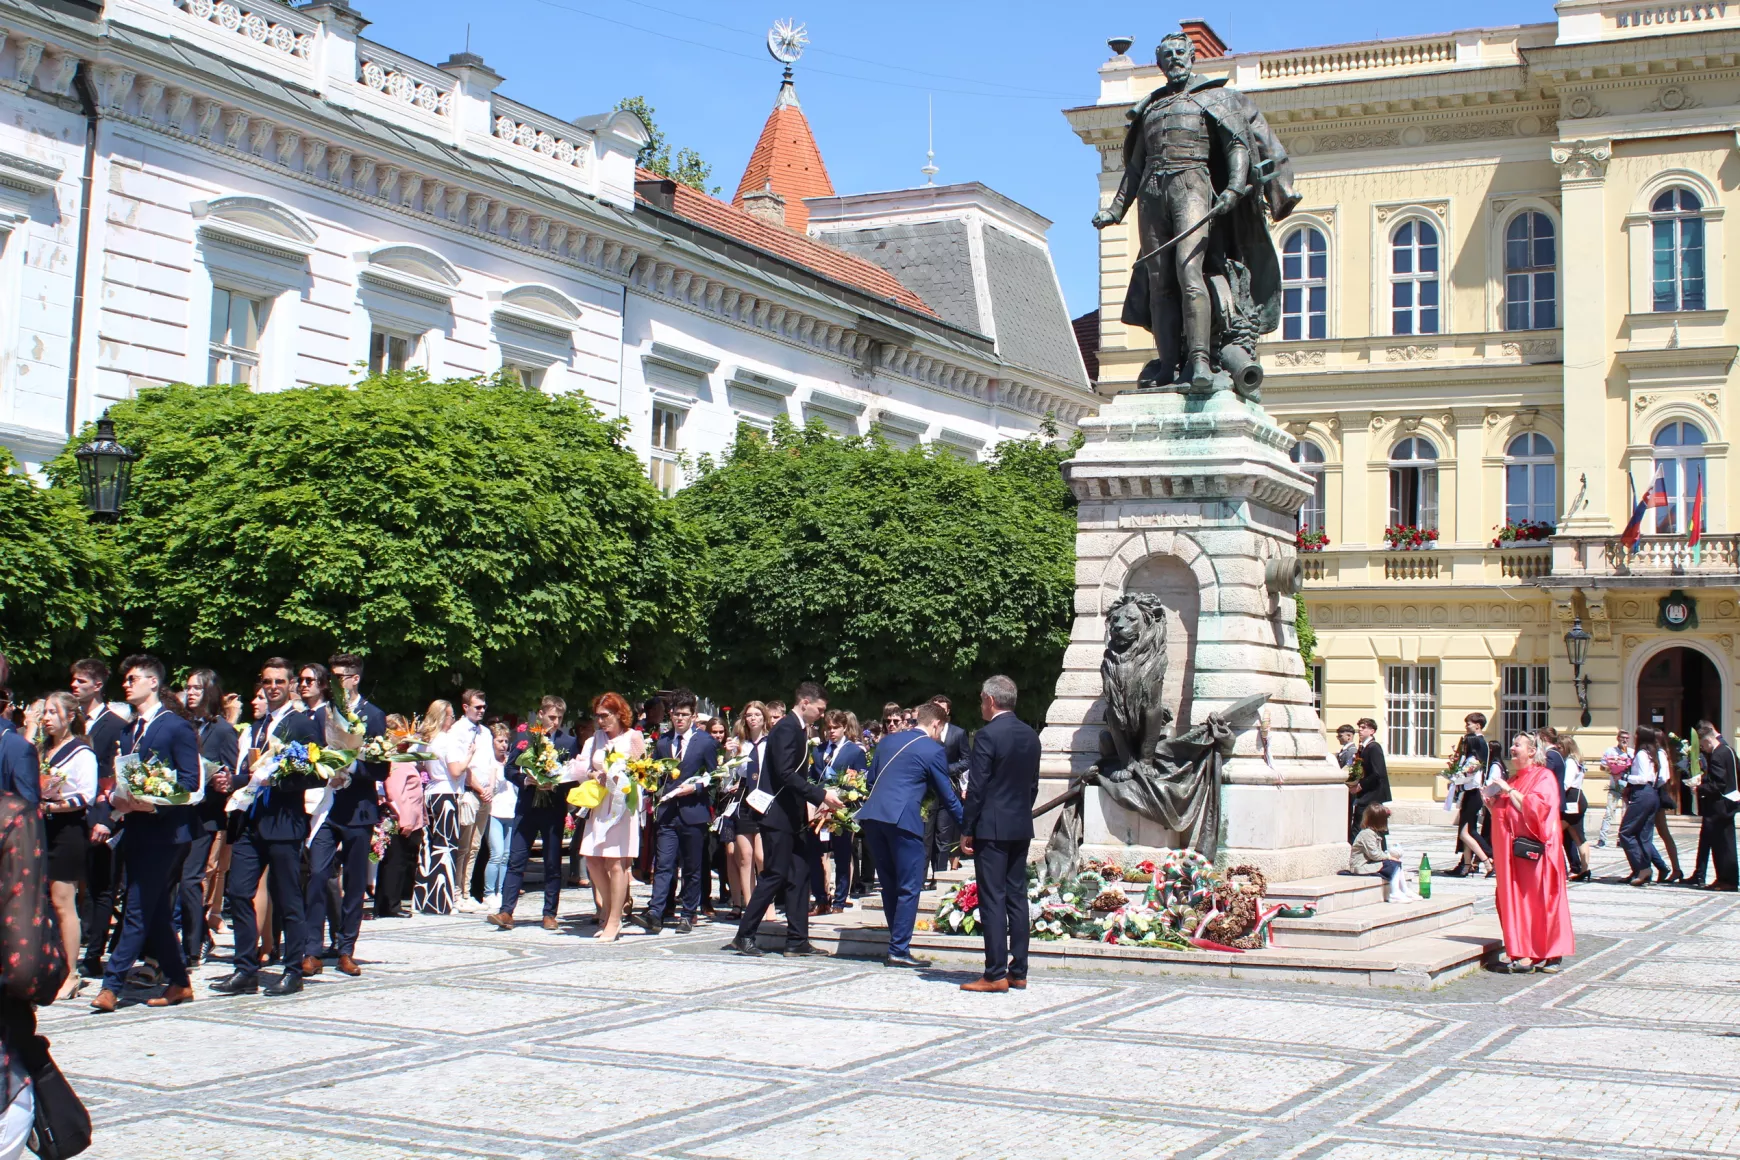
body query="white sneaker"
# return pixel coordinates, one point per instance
(492, 904)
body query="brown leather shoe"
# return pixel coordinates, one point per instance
(348, 966)
(171, 997)
(1017, 984)
(311, 966)
(987, 986)
(105, 1001)
(505, 921)
(551, 924)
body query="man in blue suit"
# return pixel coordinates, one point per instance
(836, 757)
(683, 815)
(539, 816)
(20, 772)
(274, 830)
(155, 840)
(1002, 782)
(908, 765)
(346, 837)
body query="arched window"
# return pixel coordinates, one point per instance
(1309, 459)
(1414, 279)
(1531, 481)
(1304, 284)
(1678, 243)
(1679, 467)
(1530, 273)
(1414, 484)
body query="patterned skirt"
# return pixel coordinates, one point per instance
(437, 868)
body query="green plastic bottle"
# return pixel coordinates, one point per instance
(1425, 876)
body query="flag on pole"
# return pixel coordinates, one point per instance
(1695, 528)
(1653, 496)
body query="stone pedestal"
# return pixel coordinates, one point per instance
(1195, 500)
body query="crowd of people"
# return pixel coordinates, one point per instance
(1523, 823)
(799, 808)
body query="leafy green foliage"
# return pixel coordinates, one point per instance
(687, 166)
(888, 574)
(455, 533)
(1302, 626)
(57, 577)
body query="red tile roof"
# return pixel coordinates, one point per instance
(787, 158)
(799, 249)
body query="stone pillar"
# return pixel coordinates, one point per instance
(1194, 499)
(1587, 449)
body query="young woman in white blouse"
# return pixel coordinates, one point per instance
(612, 839)
(69, 784)
(436, 872)
(1642, 800)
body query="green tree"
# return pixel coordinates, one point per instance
(686, 166)
(1302, 626)
(57, 580)
(886, 573)
(454, 533)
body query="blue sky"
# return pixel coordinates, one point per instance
(999, 74)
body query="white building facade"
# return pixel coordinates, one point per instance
(250, 192)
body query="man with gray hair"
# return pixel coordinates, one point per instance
(997, 831)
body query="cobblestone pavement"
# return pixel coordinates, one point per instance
(459, 1041)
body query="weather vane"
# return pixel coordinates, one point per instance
(785, 41)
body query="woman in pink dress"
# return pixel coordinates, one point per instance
(612, 838)
(1534, 908)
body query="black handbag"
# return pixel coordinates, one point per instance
(1527, 848)
(63, 1126)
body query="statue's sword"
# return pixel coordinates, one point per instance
(1164, 246)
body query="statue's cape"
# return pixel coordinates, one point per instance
(1244, 232)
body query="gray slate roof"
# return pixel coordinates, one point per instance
(933, 259)
(1032, 324)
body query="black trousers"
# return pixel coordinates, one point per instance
(534, 825)
(192, 893)
(785, 875)
(677, 846)
(335, 849)
(1001, 870)
(1716, 841)
(250, 856)
(838, 847)
(398, 870)
(864, 875)
(105, 875)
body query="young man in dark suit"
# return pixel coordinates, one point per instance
(1718, 792)
(683, 814)
(273, 831)
(1003, 781)
(1373, 787)
(943, 836)
(784, 779)
(347, 835)
(156, 839)
(539, 816)
(908, 765)
(103, 864)
(20, 771)
(837, 755)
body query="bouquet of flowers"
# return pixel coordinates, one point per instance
(853, 788)
(958, 912)
(383, 834)
(647, 777)
(396, 745)
(306, 759)
(148, 780)
(1141, 925)
(538, 760)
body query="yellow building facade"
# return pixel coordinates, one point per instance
(1505, 303)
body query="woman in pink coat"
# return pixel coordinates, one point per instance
(1534, 909)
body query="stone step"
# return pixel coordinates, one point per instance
(1365, 927)
(1329, 893)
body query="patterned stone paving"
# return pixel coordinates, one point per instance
(461, 1042)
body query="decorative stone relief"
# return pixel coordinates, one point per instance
(1529, 346)
(1377, 422)
(1709, 399)
(1673, 97)
(1581, 106)
(1471, 131)
(411, 91)
(1582, 160)
(1630, 610)
(1440, 207)
(557, 149)
(251, 25)
(1411, 353)
(1369, 139)
(1644, 402)
(1300, 358)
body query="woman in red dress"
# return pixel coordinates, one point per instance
(1534, 909)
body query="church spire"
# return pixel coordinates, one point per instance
(786, 159)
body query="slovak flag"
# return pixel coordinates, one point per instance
(1654, 496)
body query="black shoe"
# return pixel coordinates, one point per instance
(801, 949)
(646, 922)
(237, 983)
(1459, 872)
(905, 961)
(287, 984)
(684, 926)
(744, 946)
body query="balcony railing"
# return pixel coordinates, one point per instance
(1655, 556)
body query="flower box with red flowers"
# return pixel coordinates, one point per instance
(1522, 532)
(1407, 537)
(1310, 541)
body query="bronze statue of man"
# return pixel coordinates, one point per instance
(1204, 167)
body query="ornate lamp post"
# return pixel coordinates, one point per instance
(105, 471)
(1577, 651)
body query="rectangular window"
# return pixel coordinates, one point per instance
(1317, 688)
(530, 378)
(1522, 702)
(1411, 710)
(667, 425)
(389, 352)
(236, 322)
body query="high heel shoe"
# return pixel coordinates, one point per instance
(1461, 871)
(1586, 876)
(1676, 876)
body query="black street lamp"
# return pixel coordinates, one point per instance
(105, 471)
(1577, 651)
